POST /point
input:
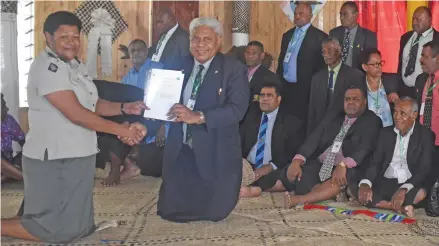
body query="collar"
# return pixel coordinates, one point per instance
(408, 134)
(144, 65)
(253, 69)
(172, 30)
(436, 76)
(74, 62)
(354, 29)
(428, 31)
(206, 64)
(346, 118)
(305, 27)
(336, 68)
(272, 114)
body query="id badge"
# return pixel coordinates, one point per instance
(336, 147)
(402, 177)
(191, 104)
(421, 112)
(287, 57)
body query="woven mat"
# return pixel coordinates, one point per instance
(257, 221)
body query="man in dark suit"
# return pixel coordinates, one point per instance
(269, 137)
(329, 85)
(410, 49)
(299, 59)
(330, 157)
(258, 74)
(352, 36)
(202, 165)
(173, 44)
(400, 163)
(427, 95)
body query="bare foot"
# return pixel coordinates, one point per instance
(130, 170)
(290, 200)
(113, 179)
(250, 191)
(409, 211)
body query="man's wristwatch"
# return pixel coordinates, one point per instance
(202, 119)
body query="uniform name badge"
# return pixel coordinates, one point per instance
(191, 104)
(421, 112)
(402, 177)
(336, 147)
(287, 57)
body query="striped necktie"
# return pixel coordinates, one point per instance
(261, 142)
(429, 103)
(346, 43)
(412, 57)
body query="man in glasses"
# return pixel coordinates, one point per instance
(381, 88)
(329, 84)
(269, 137)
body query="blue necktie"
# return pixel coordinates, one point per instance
(261, 142)
(331, 80)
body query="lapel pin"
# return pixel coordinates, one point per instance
(220, 91)
(216, 71)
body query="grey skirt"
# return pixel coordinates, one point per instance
(59, 198)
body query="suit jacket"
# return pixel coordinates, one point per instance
(421, 80)
(364, 38)
(319, 104)
(390, 82)
(309, 61)
(403, 42)
(285, 139)
(358, 143)
(262, 75)
(419, 154)
(176, 49)
(207, 188)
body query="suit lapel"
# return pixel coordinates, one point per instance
(358, 44)
(255, 75)
(413, 146)
(304, 45)
(277, 135)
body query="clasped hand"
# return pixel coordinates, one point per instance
(136, 132)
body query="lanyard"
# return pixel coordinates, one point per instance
(295, 41)
(377, 100)
(432, 87)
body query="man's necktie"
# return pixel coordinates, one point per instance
(329, 161)
(261, 142)
(195, 89)
(412, 57)
(331, 80)
(428, 107)
(162, 37)
(346, 43)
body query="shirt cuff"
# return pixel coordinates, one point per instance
(365, 181)
(350, 163)
(407, 186)
(273, 166)
(300, 157)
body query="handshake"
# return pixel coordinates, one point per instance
(135, 132)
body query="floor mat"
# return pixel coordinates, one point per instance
(257, 221)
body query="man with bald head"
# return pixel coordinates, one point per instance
(410, 49)
(299, 59)
(202, 163)
(329, 84)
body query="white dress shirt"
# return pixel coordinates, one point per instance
(156, 56)
(398, 168)
(427, 36)
(267, 150)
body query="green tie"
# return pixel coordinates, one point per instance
(197, 82)
(160, 43)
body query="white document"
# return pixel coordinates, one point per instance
(162, 91)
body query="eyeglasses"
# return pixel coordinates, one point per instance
(378, 64)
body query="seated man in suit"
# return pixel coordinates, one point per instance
(330, 157)
(269, 137)
(400, 163)
(329, 85)
(381, 88)
(257, 72)
(352, 36)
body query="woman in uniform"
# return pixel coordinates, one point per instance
(60, 150)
